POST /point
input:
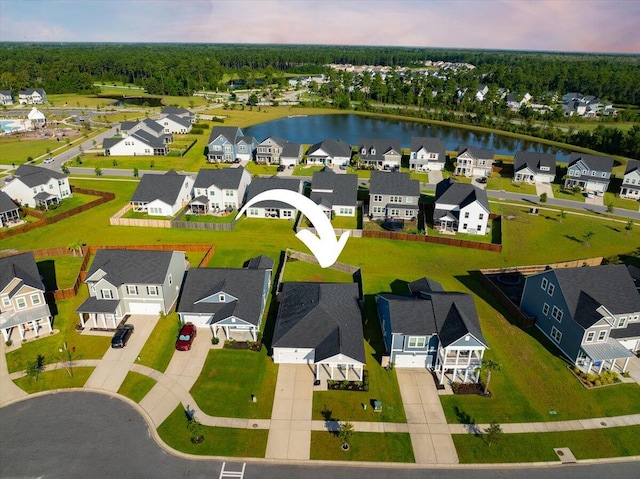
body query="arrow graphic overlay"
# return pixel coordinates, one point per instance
(325, 247)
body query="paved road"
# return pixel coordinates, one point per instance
(91, 435)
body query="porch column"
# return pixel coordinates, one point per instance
(466, 374)
(332, 372)
(34, 324)
(626, 363)
(104, 320)
(113, 320)
(81, 320)
(21, 330)
(5, 334)
(253, 334)
(316, 372)
(601, 366)
(49, 324)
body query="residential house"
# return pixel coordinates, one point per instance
(151, 127)
(380, 153)
(630, 187)
(532, 167)
(329, 153)
(433, 329)
(162, 195)
(228, 144)
(231, 301)
(181, 112)
(37, 187)
(9, 211)
(291, 154)
(481, 92)
(37, 118)
(139, 143)
(516, 101)
(461, 208)
(393, 195)
(427, 154)
(275, 151)
(473, 161)
(589, 172)
(175, 124)
(124, 282)
(336, 194)
(32, 96)
(219, 191)
(591, 314)
(320, 324)
(6, 97)
(22, 301)
(272, 208)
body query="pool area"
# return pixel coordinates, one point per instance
(9, 126)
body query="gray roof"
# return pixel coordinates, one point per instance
(410, 315)
(482, 153)
(380, 145)
(632, 165)
(6, 93)
(586, 289)
(179, 120)
(340, 190)
(153, 125)
(631, 331)
(534, 161)
(275, 140)
(231, 133)
(149, 139)
(332, 147)
(31, 91)
(393, 183)
(291, 150)
(593, 162)
(22, 266)
(260, 262)
(424, 285)
(245, 285)
(174, 110)
(259, 185)
(96, 305)
(110, 142)
(452, 193)
(223, 178)
(610, 349)
(36, 176)
(132, 266)
(6, 203)
(323, 316)
(127, 125)
(165, 187)
(432, 145)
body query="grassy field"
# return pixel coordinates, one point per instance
(159, 348)
(612, 198)
(15, 150)
(75, 100)
(136, 386)
(378, 447)
(56, 379)
(303, 271)
(59, 272)
(500, 183)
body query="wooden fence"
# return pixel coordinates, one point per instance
(196, 225)
(522, 318)
(117, 220)
(432, 239)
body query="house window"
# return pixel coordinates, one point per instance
(481, 216)
(170, 279)
(604, 175)
(479, 228)
(286, 214)
(602, 335)
(408, 213)
(21, 303)
(253, 212)
(35, 299)
(551, 289)
(416, 342)
(152, 290)
(6, 301)
(593, 173)
(132, 289)
(377, 198)
(545, 309)
(395, 212)
(222, 298)
(464, 226)
(466, 214)
(228, 192)
(557, 313)
(556, 334)
(212, 193)
(544, 283)
(590, 336)
(622, 321)
(106, 294)
(409, 199)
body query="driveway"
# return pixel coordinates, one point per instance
(594, 200)
(8, 390)
(435, 177)
(634, 369)
(544, 188)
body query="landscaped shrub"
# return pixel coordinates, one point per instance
(595, 380)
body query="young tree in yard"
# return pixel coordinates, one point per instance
(35, 367)
(628, 227)
(609, 208)
(492, 433)
(136, 172)
(489, 366)
(345, 433)
(543, 198)
(562, 216)
(76, 247)
(587, 237)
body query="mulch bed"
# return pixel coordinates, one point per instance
(469, 388)
(252, 345)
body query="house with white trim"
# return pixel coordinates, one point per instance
(393, 196)
(533, 167)
(461, 208)
(6, 97)
(162, 195)
(381, 153)
(32, 96)
(336, 194)
(219, 191)
(427, 154)
(473, 161)
(630, 187)
(329, 153)
(228, 144)
(272, 208)
(590, 172)
(9, 211)
(37, 187)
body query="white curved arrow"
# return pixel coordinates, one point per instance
(325, 248)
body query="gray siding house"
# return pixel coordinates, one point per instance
(9, 211)
(228, 144)
(380, 153)
(393, 195)
(272, 208)
(590, 172)
(473, 161)
(329, 153)
(630, 187)
(123, 282)
(336, 194)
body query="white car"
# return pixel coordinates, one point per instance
(48, 160)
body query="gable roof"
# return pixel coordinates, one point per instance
(110, 142)
(291, 150)
(22, 266)
(632, 165)
(260, 262)
(178, 119)
(274, 140)
(174, 110)
(323, 316)
(341, 190)
(6, 203)
(593, 162)
(230, 133)
(393, 183)
(432, 145)
(474, 151)
(332, 147)
(410, 315)
(36, 175)
(149, 139)
(259, 185)
(223, 178)
(132, 266)
(165, 188)
(534, 161)
(381, 146)
(153, 125)
(424, 285)
(462, 194)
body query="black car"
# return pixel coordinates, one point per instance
(121, 336)
(281, 167)
(482, 179)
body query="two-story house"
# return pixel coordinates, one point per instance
(228, 144)
(630, 187)
(381, 153)
(533, 167)
(230, 301)
(181, 112)
(591, 314)
(434, 329)
(148, 126)
(461, 208)
(219, 191)
(162, 195)
(32, 96)
(175, 124)
(393, 195)
(125, 282)
(22, 301)
(9, 211)
(335, 194)
(37, 187)
(138, 138)
(329, 153)
(274, 151)
(590, 172)
(272, 208)
(427, 154)
(473, 161)
(6, 97)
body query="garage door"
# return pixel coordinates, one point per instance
(293, 356)
(145, 308)
(411, 361)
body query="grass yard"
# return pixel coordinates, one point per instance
(136, 386)
(78, 199)
(618, 202)
(303, 170)
(421, 177)
(500, 183)
(296, 270)
(210, 218)
(371, 446)
(256, 169)
(59, 272)
(159, 348)
(345, 222)
(75, 100)
(56, 379)
(218, 441)
(562, 194)
(15, 150)
(534, 447)
(218, 391)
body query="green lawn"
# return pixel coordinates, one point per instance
(304, 170)
(219, 392)
(376, 447)
(78, 199)
(76, 100)
(620, 202)
(256, 169)
(218, 441)
(345, 222)
(159, 348)
(210, 218)
(562, 194)
(296, 270)
(56, 379)
(538, 447)
(136, 386)
(59, 272)
(15, 150)
(500, 183)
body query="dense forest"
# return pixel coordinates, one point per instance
(180, 69)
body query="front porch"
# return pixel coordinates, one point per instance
(28, 323)
(459, 365)
(99, 313)
(611, 355)
(338, 372)
(46, 201)
(226, 332)
(10, 218)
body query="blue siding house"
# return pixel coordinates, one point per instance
(228, 144)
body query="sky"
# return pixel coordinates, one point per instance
(603, 26)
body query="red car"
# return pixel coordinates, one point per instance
(187, 334)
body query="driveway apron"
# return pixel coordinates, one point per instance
(8, 390)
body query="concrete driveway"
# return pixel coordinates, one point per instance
(544, 188)
(435, 177)
(634, 369)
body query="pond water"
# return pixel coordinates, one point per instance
(350, 128)
(137, 101)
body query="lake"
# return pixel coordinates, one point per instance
(350, 128)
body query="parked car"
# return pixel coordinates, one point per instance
(186, 336)
(281, 167)
(291, 167)
(482, 179)
(343, 167)
(48, 160)
(121, 336)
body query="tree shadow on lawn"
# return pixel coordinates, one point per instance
(371, 327)
(399, 286)
(332, 424)
(272, 313)
(47, 269)
(465, 418)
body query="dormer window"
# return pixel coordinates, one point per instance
(373, 151)
(222, 298)
(363, 151)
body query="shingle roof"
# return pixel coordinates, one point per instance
(424, 285)
(291, 150)
(631, 331)
(132, 266)
(432, 145)
(149, 139)
(452, 193)
(593, 162)
(173, 110)
(332, 147)
(260, 262)
(153, 125)
(36, 176)
(259, 185)
(482, 153)
(165, 188)
(380, 145)
(110, 142)
(534, 161)
(323, 316)
(223, 178)
(393, 183)
(632, 165)
(22, 266)
(410, 315)
(6, 203)
(340, 190)
(231, 133)
(179, 120)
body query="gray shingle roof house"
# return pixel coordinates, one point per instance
(162, 195)
(219, 190)
(461, 208)
(228, 143)
(382, 153)
(9, 211)
(22, 301)
(533, 167)
(427, 154)
(474, 161)
(123, 282)
(35, 186)
(227, 300)
(329, 153)
(591, 313)
(589, 172)
(393, 195)
(630, 187)
(336, 194)
(272, 208)
(433, 328)
(320, 324)
(6, 97)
